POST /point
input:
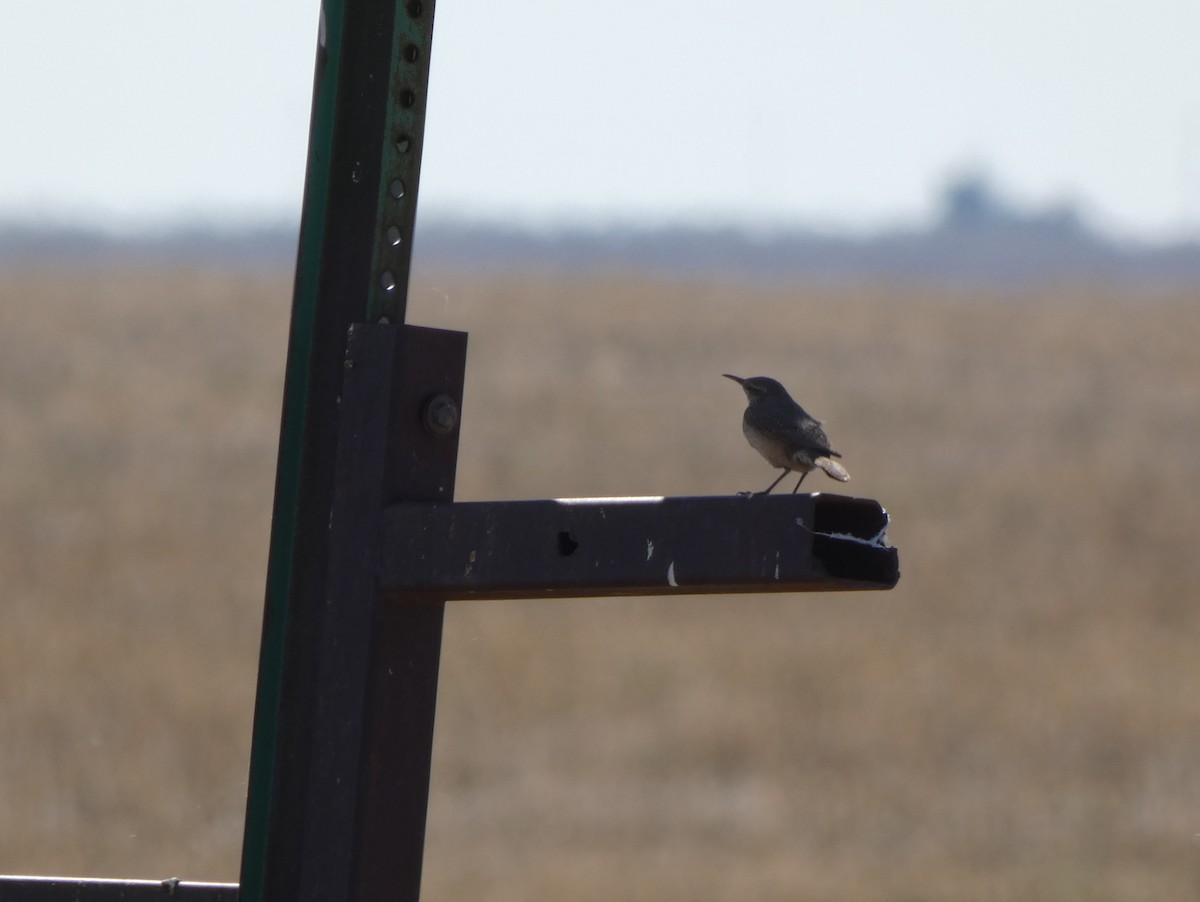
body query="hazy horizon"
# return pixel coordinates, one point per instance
(847, 118)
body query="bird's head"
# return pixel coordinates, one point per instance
(759, 387)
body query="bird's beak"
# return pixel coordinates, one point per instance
(738, 379)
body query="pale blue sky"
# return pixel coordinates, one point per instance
(847, 115)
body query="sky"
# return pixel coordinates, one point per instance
(846, 116)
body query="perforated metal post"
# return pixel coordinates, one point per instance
(355, 245)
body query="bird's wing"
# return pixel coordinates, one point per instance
(808, 433)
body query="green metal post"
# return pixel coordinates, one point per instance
(355, 244)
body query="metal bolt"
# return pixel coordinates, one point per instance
(441, 415)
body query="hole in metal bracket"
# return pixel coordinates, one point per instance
(566, 544)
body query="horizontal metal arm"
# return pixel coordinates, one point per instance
(75, 889)
(570, 548)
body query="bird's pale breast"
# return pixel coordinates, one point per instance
(778, 452)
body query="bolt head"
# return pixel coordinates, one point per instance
(441, 416)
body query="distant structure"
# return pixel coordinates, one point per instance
(978, 238)
(971, 203)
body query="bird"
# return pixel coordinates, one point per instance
(785, 433)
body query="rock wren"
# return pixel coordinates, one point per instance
(784, 433)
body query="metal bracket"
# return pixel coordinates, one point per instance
(364, 798)
(637, 546)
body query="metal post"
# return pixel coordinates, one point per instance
(355, 240)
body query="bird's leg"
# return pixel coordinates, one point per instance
(775, 483)
(798, 481)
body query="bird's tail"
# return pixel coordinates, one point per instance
(834, 469)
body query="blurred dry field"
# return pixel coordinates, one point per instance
(1019, 719)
